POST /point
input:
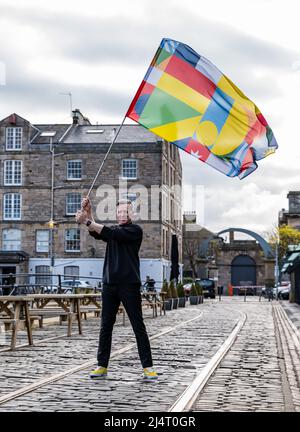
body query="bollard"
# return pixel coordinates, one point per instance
(245, 296)
(59, 284)
(220, 291)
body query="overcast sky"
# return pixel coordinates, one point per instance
(100, 50)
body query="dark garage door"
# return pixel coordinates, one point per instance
(243, 270)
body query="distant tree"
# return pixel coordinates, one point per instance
(190, 247)
(287, 235)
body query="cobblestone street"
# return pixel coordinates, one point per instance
(259, 373)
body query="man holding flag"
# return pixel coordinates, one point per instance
(190, 103)
(121, 283)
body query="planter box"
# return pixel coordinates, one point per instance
(175, 303)
(193, 300)
(168, 304)
(181, 302)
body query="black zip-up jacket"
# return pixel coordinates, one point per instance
(121, 263)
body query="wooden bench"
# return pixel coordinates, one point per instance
(67, 305)
(151, 299)
(122, 310)
(90, 303)
(58, 305)
(36, 317)
(39, 313)
(11, 307)
(84, 310)
(148, 304)
(8, 322)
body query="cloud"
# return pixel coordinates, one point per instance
(251, 203)
(70, 52)
(95, 41)
(115, 40)
(101, 58)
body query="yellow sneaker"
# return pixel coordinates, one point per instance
(99, 373)
(150, 374)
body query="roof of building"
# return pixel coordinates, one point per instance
(37, 138)
(81, 131)
(93, 134)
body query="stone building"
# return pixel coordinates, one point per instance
(244, 262)
(292, 215)
(291, 268)
(46, 169)
(195, 264)
(236, 262)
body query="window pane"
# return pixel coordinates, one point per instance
(13, 172)
(73, 203)
(12, 206)
(8, 172)
(17, 172)
(71, 271)
(7, 206)
(11, 239)
(42, 240)
(43, 279)
(16, 206)
(13, 138)
(129, 168)
(72, 240)
(74, 169)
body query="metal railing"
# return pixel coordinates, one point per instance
(252, 290)
(27, 283)
(53, 283)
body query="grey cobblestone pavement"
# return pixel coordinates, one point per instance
(293, 312)
(249, 378)
(290, 351)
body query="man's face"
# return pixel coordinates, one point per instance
(124, 213)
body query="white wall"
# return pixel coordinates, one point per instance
(89, 267)
(157, 269)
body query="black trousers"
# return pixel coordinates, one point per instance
(130, 296)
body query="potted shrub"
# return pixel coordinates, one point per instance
(200, 292)
(168, 296)
(181, 295)
(194, 295)
(174, 294)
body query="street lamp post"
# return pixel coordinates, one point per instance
(276, 264)
(51, 222)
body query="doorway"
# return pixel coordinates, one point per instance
(7, 281)
(243, 268)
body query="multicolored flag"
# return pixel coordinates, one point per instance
(187, 101)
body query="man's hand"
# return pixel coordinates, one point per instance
(87, 207)
(81, 216)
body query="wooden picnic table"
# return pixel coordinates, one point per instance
(68, 305)
(13, 315)
(91, 303)
(154, 301)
